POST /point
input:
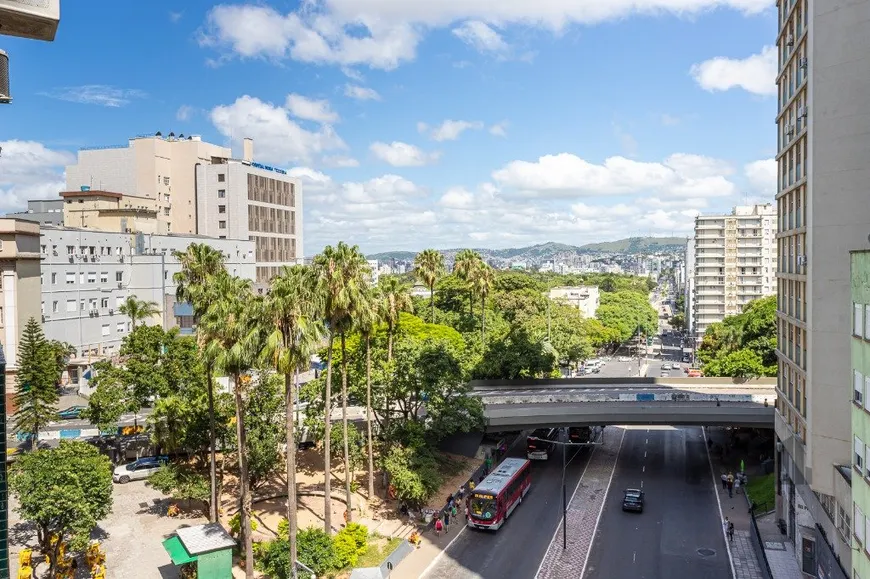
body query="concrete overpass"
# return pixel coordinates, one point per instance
(524, 404)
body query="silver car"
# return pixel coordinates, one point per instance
(138, 470)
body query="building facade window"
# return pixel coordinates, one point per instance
(70, 305)
(92, 277)
(867, 321)
(858, 322)
(106, 330)
(54, 307)
(222, 208)
(222, 193)
(859, 388)
(104, 303)
(119, 276)
(221, 177)
(70, 277)
(858, 458)
(222, 224)
(104, 277)
(120, 327)
(53, 278)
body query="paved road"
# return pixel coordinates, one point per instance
(679, 534)
(515, 550)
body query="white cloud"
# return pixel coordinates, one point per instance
(400, 154)
(184, 112)
(669, 120)
(30, 170)
(481, 36)
(499, 129)
(383, 34)
(566, 175)
(96, 94)
(174, 17)
(761, 176)
(308, 36)
(449, 130)
(352, 74)
(361, 93)
(279, 138)
(755, 74)
(340, 161)
(308, 109)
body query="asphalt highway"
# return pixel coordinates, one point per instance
(679, 533)
(515, 550)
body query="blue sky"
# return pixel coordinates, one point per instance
(415, 123)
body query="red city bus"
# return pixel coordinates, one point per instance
(494, 499)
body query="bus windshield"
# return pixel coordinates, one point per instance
(483, 506)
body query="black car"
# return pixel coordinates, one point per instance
(632, 500)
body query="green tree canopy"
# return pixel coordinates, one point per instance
(742, 345)
(36, 393)
(64, 491)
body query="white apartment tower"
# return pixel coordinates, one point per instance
(241, 199)
(735, 262)
(689, 295)
(823, 145)
(155, 167)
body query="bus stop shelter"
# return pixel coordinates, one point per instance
(207, 547)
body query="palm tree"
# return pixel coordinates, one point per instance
(395, 297)
(342, 274)
(292, 315)
(483, 277)
(463, 266)
(428, 266)
(199, 264)
(137, 309)
(369, 315)
(228, 320)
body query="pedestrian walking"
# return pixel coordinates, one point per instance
(730, 489)
(454, 511)
(724, 478)
(730, 531)
(439, 526)
(461, 493)
(466, 512)
(446, 516)
(737, 485)
(725, 525)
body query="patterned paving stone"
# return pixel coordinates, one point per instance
(583, 511)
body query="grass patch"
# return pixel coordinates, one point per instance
(379, 548)
(762, 491)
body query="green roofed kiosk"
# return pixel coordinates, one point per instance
(207, 547)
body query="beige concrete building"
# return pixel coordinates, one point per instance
(19, 282)
(585, 298)
(823, 136)
(108, 211)
(242, 199)
(735, 263)
(155, 167)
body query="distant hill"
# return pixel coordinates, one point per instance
(637, 244)
(552, 250)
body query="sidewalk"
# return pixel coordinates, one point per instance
(735, 508)
(747, 565)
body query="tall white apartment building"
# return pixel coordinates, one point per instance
(823, 144)
(151, 166)
(735, 262)
(585, 298)
(248, 200)
(86, 275)
(689, 289)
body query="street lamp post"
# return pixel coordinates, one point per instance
(565, 446)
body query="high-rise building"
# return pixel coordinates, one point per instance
(152, 166)
(247, 200)
(860, 346)
(689, 289)
(735, 262)
(823, 137)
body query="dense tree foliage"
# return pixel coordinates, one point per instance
(743, 345)
(65, 492)
(36, 392)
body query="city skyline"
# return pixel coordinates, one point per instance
(430, 128)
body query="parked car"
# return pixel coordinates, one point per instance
(139, 469)
(632, 500)
(71, 413)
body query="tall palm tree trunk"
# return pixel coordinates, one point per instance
(291, 470)
(389, 344)
(245, 518)
(347, 473)
(483, 320)
(432, 301)
(212, 466)
(369, 416)
(327, 466)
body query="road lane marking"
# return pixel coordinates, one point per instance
(647, 441)
(718, 503)
(441, 553)
(641, 484)
(601, 510)
(634, 557)
(643, 468)
(644, 454)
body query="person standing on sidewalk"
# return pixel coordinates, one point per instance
(731, 531)
(725, 525)
(724, 478)
(446, 521)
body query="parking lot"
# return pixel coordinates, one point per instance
(131, 536)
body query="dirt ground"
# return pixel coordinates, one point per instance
(466, 466)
